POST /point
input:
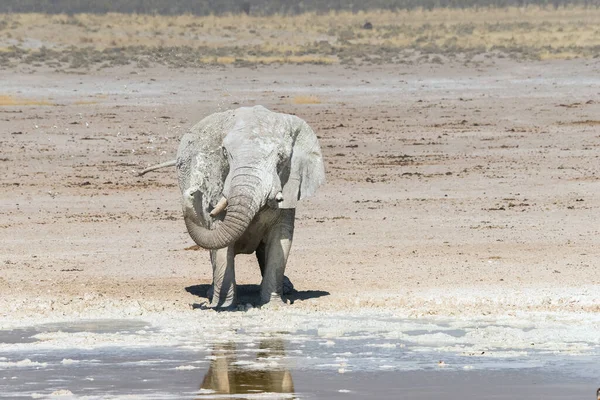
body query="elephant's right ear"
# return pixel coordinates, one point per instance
(306, 169)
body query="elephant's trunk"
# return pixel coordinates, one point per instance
(242, 205)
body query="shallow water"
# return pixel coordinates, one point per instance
(417, 360)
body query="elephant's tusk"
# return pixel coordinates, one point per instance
(221, 205)
(279, 197)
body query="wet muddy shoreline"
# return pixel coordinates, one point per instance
(314, 357)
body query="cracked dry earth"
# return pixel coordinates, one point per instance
(451, 189)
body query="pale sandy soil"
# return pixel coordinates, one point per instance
(451, 189)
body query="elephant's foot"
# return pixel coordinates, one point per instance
(273, 303)
(288, 286)
(226, 305)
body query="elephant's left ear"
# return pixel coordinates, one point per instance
(305, 172)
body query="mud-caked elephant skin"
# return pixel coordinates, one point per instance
(241, 173)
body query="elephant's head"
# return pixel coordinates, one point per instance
(241, 161)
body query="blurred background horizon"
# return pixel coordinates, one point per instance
(80, 36)
(263, 7)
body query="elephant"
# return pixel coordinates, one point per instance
(241, 173)
(226, 376)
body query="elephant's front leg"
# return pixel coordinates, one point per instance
(277, 249)
(224, 291)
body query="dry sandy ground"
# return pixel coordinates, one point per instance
(451, 189)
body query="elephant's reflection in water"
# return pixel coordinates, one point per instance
(264, 374)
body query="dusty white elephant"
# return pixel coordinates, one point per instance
(241, 173)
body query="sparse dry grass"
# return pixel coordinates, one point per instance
(306, 100)
(6, 100)
(115, 39)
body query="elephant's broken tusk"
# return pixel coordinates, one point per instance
(279, 197)
(221, 205)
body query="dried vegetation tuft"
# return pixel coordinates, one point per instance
(7, 101)
(306, 100)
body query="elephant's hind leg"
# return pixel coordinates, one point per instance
(224, 290)
(261, 257)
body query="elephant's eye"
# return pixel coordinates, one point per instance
(224, 152)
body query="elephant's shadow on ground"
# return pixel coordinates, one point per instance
(251, 293)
